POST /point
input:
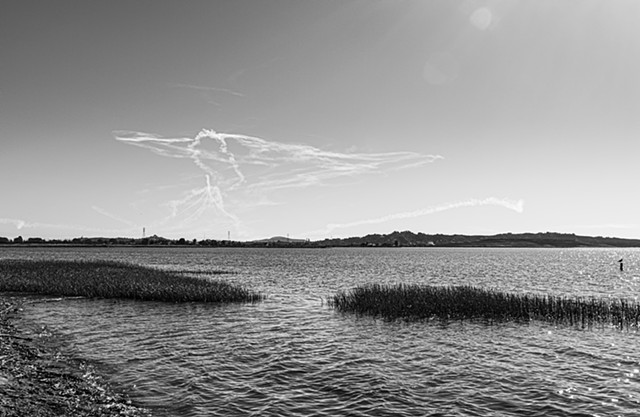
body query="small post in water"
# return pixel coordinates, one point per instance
(621, 264)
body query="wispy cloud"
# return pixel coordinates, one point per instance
(210, 94)
(17, 223)
(112, 216)
(232, 163)
(515, 205)
(24, 226)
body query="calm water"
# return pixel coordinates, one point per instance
(292, 355)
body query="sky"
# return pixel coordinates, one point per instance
(317, 119)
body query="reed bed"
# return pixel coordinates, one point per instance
(110, 279)
(404, 301)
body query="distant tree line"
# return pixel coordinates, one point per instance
(145, 241)
(394, 239)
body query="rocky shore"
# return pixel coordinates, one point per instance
(37, 380)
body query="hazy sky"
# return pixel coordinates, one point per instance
(319, 118)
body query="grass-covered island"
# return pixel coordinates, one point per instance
(415, 302)
(110, 279)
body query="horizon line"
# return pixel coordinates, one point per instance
(294, 239)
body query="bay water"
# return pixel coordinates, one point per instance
(292, 355)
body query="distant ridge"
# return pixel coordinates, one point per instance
(279, 239)
(519, 240)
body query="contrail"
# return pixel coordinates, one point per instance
(197, 201)
(235, 163)
(287, 165)
(517, 206)
(221, 141)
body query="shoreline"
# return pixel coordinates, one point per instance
(37, 380)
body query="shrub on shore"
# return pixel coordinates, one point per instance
(110, 279)
(466, 302)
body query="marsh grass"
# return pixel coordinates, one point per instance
(466, 302)
(110, 279)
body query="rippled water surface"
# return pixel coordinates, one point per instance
(292, 355)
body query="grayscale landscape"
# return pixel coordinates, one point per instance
(319, 208)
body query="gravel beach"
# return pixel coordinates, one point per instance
(36, 379)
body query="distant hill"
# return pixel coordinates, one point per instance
(521, 240)
(279, 239)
